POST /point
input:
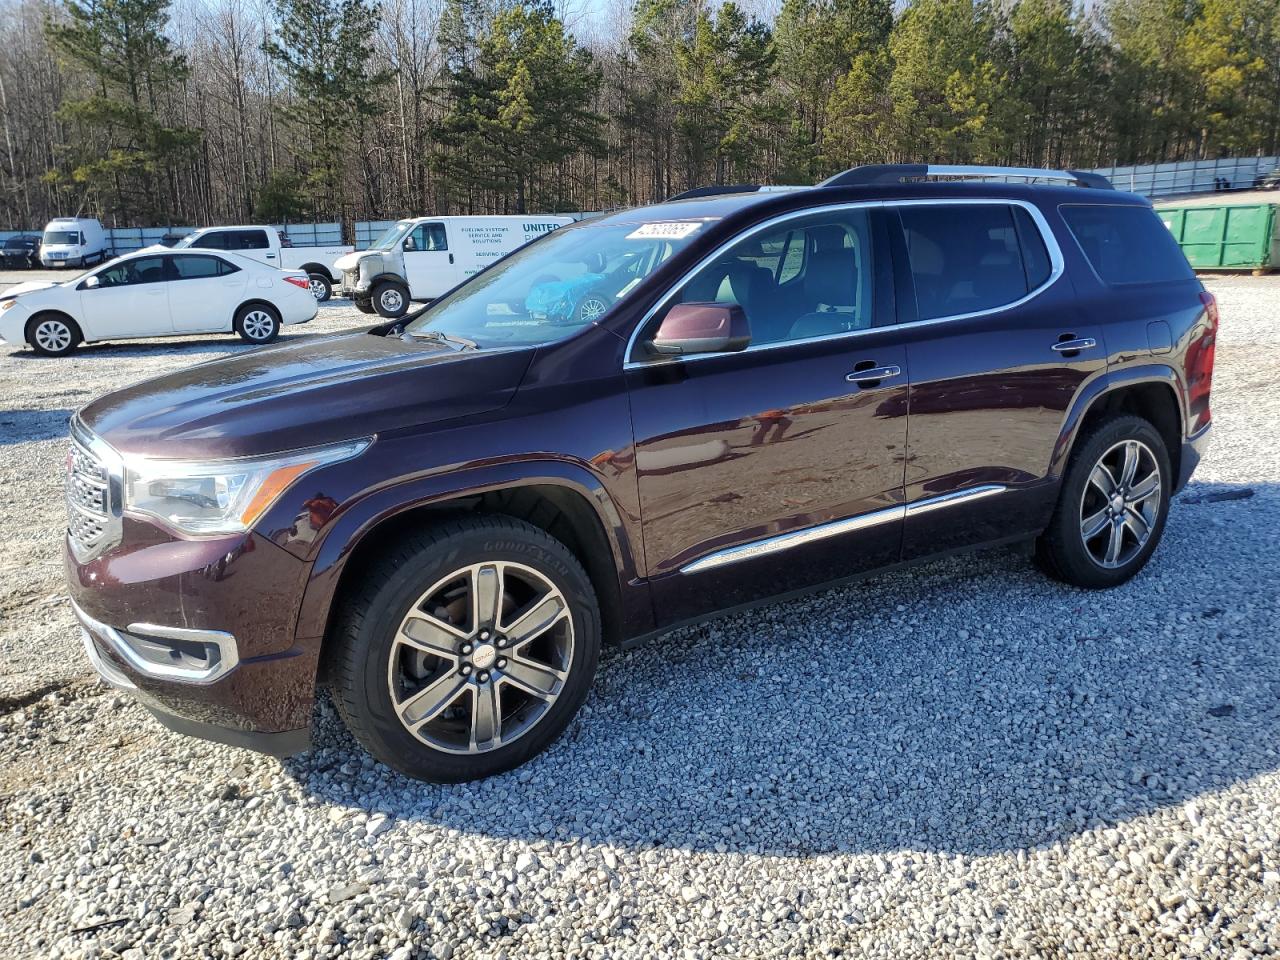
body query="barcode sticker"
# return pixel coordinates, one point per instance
(663, 231)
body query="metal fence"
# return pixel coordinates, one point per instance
(1191, 176)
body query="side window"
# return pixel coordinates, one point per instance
(964, 259)
(1035, 256)
(250, 240)
(141, 270)
(436, 239)
(1126, 244)
(201, 268)
(211, 241)
(825, 260)
(426, 237)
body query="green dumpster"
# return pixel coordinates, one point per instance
(1227, 237)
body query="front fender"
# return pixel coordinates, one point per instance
(354, 523)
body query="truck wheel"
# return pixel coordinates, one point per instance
(465, 649)
(391, 299)
(53, 334)
(321, 286)
(364, 306)
(257, 323)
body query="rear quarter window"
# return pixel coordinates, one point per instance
(1126, 244)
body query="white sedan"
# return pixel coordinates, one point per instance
(150, 294)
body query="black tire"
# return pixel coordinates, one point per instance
(53, 334)
(362, 643)
(257, 323)
(391, 299)
(364, 306)
(1062, 550)
(321, 286)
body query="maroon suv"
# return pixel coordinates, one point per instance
(444, 518)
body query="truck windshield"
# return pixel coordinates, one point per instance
(392, 234)
(556, 285)
(61, 236)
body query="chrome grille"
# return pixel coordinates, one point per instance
(91, 520)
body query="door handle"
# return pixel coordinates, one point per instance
(874, 375)
(271, 256)
(451, 258)
(1075, 346)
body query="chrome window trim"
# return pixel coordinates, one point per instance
(1056, 261)
(785, 541)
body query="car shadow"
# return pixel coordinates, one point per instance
(968, 706)
(26, 426)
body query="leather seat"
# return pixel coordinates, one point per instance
(830, 294)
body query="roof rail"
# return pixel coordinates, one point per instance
(715, 191)
(885, 174)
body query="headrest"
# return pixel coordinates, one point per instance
(831, 279)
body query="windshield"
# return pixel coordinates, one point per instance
(556, 285)
(61, 236)
(393, 233)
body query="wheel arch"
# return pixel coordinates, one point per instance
(314, 267)
(51, 312)
(1155, 393)
(256, 302)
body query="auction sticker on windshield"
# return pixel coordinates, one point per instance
(663, 231)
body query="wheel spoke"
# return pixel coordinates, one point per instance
(1144, 488)
(537, 620)
(1114, 542)
(429, 702)
(1130, 466)
(486, 596)
(533, 678)
(1093, 525)
(1102, 479)
(431, 635)
(1137, 524)
(486, 717)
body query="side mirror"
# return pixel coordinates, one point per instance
(690, 328)
(91, 282)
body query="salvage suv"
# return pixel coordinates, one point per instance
(444, 518)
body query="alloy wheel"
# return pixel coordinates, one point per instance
(481, 657)
(53, 335)
(318, 288)
(258, 324)
(592, 308)
(1121, 503)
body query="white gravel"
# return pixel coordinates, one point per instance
(962, 760)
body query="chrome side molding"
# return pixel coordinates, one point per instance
(836, 528)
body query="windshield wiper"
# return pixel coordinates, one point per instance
(460, 343)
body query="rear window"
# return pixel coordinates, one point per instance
(1126, 244)
(970, 258)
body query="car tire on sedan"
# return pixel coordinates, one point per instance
(257, 323)
(466, 648)
(53, 334)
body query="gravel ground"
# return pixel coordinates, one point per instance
(966, 759)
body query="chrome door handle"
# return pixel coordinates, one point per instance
(873, 375)
(1070, 346)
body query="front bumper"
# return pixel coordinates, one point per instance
(201, 632)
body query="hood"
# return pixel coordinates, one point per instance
(350, 261)
(304, 394)
(18, 289)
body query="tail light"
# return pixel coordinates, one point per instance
(302, 282)
(1200, 360)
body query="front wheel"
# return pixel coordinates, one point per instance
(364, 306)
(466, 649)
(257, 323)
(1112, 506)
(53, 334)
(391, 299)
(321, 286)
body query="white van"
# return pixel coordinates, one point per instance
(424, 257)
(73, 242)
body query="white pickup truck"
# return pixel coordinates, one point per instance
(263, 244)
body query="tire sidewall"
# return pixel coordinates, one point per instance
(396, 745)
(404, 300)
(1079, 562)
(244, 311)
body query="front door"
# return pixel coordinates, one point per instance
(428, 263)
(1000, 354)
(780, 466)
(130, 300)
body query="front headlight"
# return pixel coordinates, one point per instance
(221, 496)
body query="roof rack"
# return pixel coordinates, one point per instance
(715, 191)
(886, 174)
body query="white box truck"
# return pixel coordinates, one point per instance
(73, 242)
(424, 257)
(264, 245)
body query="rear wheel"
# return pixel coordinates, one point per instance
(391, 299)
(321, 286)
(53, 334)
(1112, 507)
(257, 323)
(466, 649)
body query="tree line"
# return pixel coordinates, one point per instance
(215, 111)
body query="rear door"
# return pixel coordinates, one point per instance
(779, 466)
(204, 292)
(429, 264)
(998, 348)
(131, 300)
